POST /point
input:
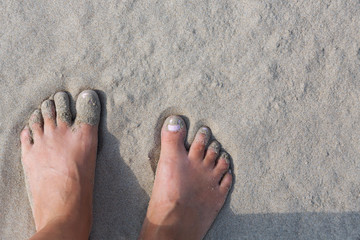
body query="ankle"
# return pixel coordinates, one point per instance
(174, 223)
(168, 231)
(67, 226)
(154, 231)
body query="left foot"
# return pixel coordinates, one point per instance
(59, 163)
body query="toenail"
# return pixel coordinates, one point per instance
(215, 146)
(88, 107)
(226, 157)
(174, 123)
(47, 108)
(62, 107)
(36, 117)
(205, 131)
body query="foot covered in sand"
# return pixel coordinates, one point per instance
(190, 188)
(59, 162)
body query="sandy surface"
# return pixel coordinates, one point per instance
(277, 81)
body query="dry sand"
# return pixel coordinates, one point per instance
(277, 81)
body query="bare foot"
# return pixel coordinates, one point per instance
(190, 187)
(59, 163)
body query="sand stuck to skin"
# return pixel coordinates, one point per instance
(278, 83)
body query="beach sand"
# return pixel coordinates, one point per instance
(278, 82)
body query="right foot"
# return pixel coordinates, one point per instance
(59, 163)
(190, 188)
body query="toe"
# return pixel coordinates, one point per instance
(63, 113)
(197, 149)
(88, 108)
(225, 183)
(36, 124)
(212, 153)
(48, 113)
(222, 165)
(173, 135)
(25, 139)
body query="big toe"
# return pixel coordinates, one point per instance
(88, 108)
(173, 135)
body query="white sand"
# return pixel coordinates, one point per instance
(278, 83)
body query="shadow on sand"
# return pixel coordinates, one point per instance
(119, 201)
(303, 225)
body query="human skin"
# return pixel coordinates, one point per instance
(190, 188)
(59, 157)
(59, 163)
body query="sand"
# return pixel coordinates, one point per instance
(276, 81)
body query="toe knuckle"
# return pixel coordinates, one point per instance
(223, 165)
(212, 153)
(199, 147)
(170, 140)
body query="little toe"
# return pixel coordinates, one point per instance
(226, 182)
(48, 113)
(173, 135)
(63, 113)
(88, 108)
(197, 149)
(25, 138)
(36, 123)
(222, 165)
(212, 153)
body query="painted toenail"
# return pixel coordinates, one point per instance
(226, 157)
(215, 146)
(174, 124)
(88, 107)
(205, 131)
